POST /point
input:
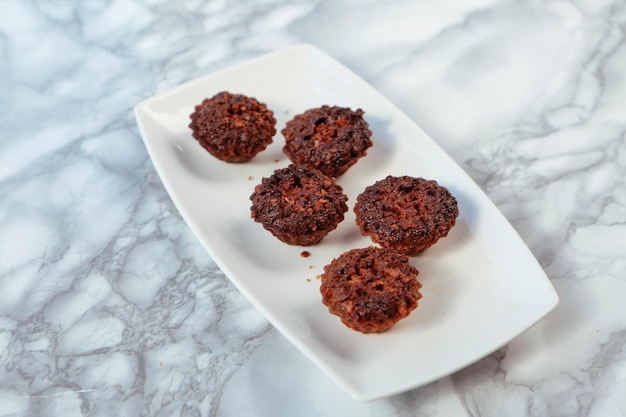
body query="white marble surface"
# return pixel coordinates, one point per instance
(108, 304)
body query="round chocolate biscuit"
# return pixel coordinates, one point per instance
(370, 289)
(298, 205)
(233, 127)
(406, 213)
(330, 139)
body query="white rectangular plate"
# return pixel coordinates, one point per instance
(481, 285)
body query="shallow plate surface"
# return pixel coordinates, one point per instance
(481, 285)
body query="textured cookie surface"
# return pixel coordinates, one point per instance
(298, 205)
(232, 127)
(330, 139)
(406, 213)
(370, 289)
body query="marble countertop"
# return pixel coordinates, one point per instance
(110, 306)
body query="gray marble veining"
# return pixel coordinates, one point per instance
(109, 305)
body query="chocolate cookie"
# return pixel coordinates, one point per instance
(233, 127)
(331, 139)
(298, 205)
(406, 213)
(370, 289)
